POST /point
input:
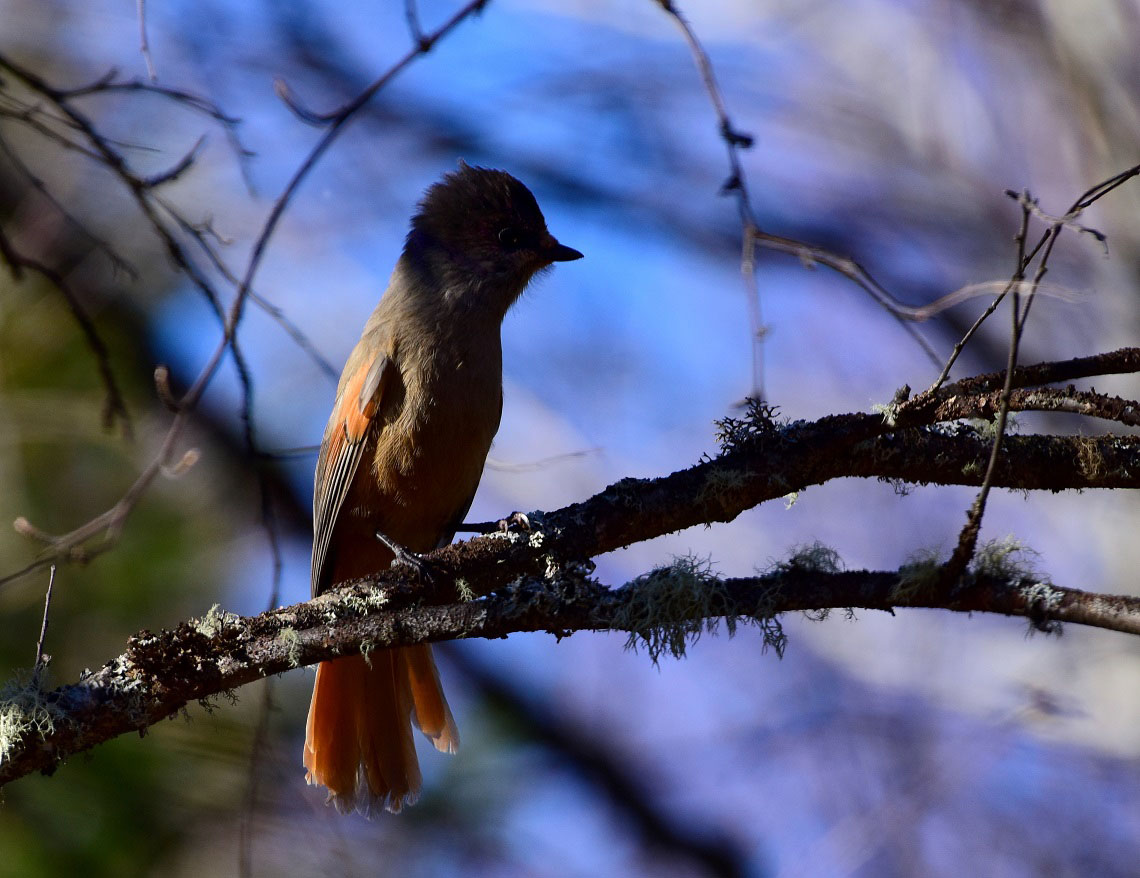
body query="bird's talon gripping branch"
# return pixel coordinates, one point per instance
(518, 519)
(405, 558)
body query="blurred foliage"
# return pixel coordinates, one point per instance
(100, 815)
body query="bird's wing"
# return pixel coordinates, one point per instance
(343, 447)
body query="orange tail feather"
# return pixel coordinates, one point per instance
(358, 740)
(432, 715)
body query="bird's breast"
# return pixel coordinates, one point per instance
(429, 457)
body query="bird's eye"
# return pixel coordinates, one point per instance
(510, 237)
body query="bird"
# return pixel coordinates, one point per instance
(416, 409)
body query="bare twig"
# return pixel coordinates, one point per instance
(1048, 238)
(1026, 202)
(144, 43)
(200, 234)
(41, 659)
(1122, 361)
(540, 464)
(811, 255)
(752, 235)
(108, 84)
(412, 15)
(31, 117)
(736, 185)
(968, 538)
(256, 760)
(181, 167)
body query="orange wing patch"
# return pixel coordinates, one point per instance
(361, 398)
(341, 452)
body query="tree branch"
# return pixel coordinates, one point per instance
(544, 583)
(161, 674)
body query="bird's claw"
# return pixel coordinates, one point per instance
(405, 558)
(518, 519)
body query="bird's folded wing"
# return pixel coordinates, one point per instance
(345, 440)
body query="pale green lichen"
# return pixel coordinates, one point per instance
(24, 713)
(363, 603)
(973, 468)
(987, 428)
(670, 607)
(791, 499)
(1043, 595)
(125, 683)
(464, 590)
(1042, 599)
(1012, 563)
(813, 558)
(758, 424)
(1089, 457)
(1006, 559)
(806, 559)
(889, 411)
(291, 640)
(215, 621)
(920, 575)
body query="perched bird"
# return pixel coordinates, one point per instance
(417, 406)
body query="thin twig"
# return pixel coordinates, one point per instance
(811, 255)
(41, 659)
(256, 760)
(968, 538)
(752, 235)
(198, 234)
(178, 169)
(144, 43)
(736, 185)
(1089, 197)
(107, 84)
(412, 15)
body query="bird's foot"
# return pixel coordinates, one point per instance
(406, 559)
(518, 519)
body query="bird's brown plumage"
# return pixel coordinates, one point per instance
(417, 406)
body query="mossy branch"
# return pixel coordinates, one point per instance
(541, 582)
(665, 610)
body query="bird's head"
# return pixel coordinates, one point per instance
(480, 231)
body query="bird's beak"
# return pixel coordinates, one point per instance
(556, 252)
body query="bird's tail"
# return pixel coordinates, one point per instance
(358, 740)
